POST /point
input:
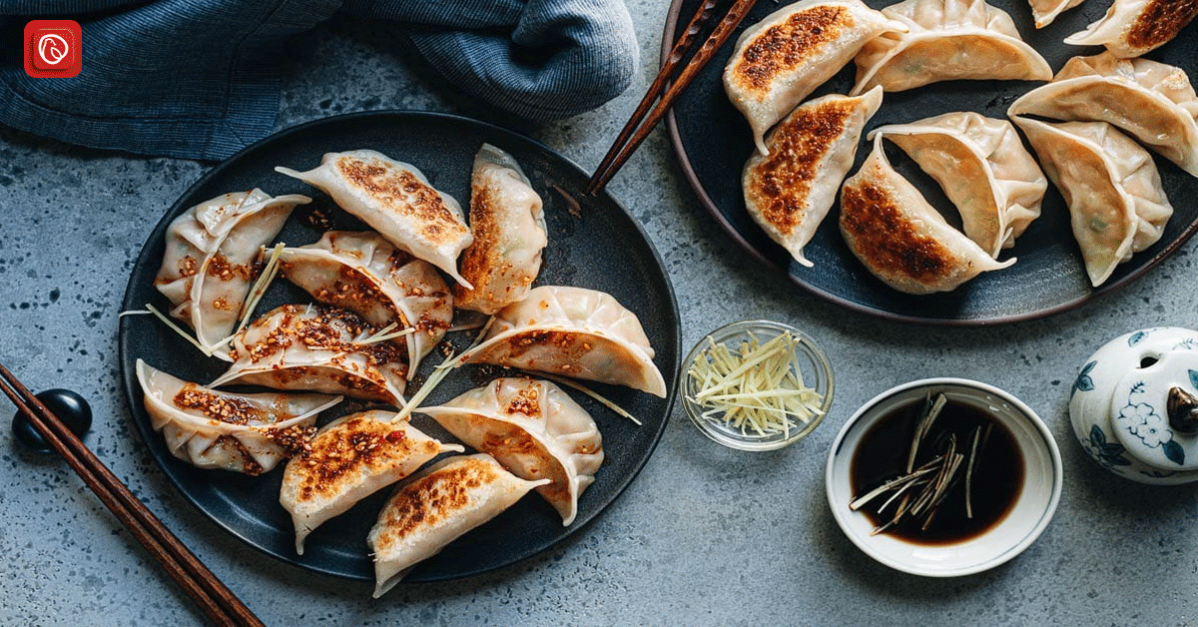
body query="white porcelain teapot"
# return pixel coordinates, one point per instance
(1134, 406)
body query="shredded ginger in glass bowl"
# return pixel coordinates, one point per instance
(757, 385)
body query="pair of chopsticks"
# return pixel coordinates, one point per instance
(219, 603)
(623, 148)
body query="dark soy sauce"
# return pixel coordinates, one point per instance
(997, 476)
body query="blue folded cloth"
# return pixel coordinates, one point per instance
(200, 78)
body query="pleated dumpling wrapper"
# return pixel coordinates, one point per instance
(1133, 28)
(1153, 102)
(571, 332)
(789, 191)
(984, 169)
(508, 221)
(437, 506)
(900, 238)
(782, 59)
(246, 433)
(947, 40)
(364, 273)
(1117, 206)
(1046, 11)
(208, 269)
(396, 200)
(318, 348)
(348, 460)
(535, 430)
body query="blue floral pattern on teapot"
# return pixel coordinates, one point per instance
(1118, 410)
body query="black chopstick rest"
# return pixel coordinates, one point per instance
(68, 405)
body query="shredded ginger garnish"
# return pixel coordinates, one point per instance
(753, 387)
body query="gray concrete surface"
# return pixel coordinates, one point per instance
(705, 536)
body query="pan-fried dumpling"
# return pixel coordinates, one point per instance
(436, 507)
(1046, 11)
(248, 433)
(1116, 204)
(209, 265)
(782, 59)
(947, 40)
(789, 191)
(364, 273)
(1153, 102)
(397, 201)
(901, 238)
(348, 460)
(572, 332)
(533, 429)
(318, 348)
(984, 170)
(1133, 28)
(509, 234)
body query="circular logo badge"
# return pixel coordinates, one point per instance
(52, 48)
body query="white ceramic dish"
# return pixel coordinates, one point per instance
(1026, 520)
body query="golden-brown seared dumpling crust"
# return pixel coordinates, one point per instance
(397, 201)
(348, 460)
(508, 221)
(1132, 28)
(900, 238)
(435, 507)
(789, 191)
(779, 61)
(983, 168)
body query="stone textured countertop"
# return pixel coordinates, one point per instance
(704, 536)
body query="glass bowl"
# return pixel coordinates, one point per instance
(813, 370)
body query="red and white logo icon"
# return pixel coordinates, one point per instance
(53, 48)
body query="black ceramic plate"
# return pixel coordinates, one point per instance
(713, 141)
(594, 244)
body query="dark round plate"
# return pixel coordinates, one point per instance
(594, 243)
(713, 141)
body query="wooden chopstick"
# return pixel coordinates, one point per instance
(218, 603)
(623, 147)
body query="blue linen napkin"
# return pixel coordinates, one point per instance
(200, 78)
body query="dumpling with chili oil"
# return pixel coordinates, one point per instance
(247, 433)
(571, 332)
(535, 430)
(318, 348)
(437, 506)
(364, 273)
(209, 266)
(396, 200)
(348, 460)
